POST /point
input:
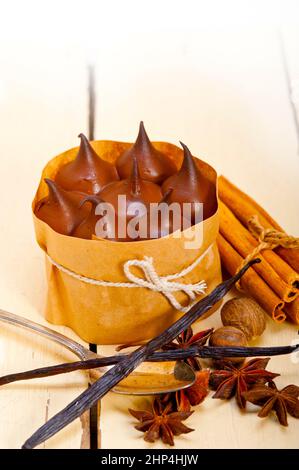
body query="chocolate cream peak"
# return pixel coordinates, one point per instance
(61, 209)
(88, 172)
(153, 165)
(189, 167)
(190, 185)
(138, 195)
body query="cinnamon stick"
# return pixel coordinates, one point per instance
(251, 282)
(291, 256)
(244, 243)
(292, 311)
(244, 207)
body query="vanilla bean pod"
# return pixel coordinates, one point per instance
(218, 352)
(121, 370)
(203, 352)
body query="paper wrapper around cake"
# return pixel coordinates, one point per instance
(116, 315)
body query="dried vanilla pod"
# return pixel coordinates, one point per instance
(153, 165)
(61, 209)
(187, 353)
(88, 173)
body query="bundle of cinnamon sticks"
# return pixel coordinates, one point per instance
(274, 283)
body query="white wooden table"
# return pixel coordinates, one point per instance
(225, 91)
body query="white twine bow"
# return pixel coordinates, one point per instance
(163, 284)
(166, 285)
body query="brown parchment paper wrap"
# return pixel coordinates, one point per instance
(115, 315)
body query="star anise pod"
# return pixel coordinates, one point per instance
(271, 399)
(232, 381)
(161, 422)
(186, 339)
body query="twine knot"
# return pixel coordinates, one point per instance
(166, 285)
(163, 284)
(268, 239)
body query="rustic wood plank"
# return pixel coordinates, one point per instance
(223, 93)
(289, 41)
(43, 107)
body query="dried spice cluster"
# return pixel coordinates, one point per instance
(246, 230)
(162, 422)
(231, 381)
(165, 420)
(250, 382)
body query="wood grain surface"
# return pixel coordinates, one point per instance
(230, 92)
(41, 113)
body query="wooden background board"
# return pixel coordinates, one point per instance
(41, 113)
(223, 90)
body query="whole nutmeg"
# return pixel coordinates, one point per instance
(228, 336)
(246, 314)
